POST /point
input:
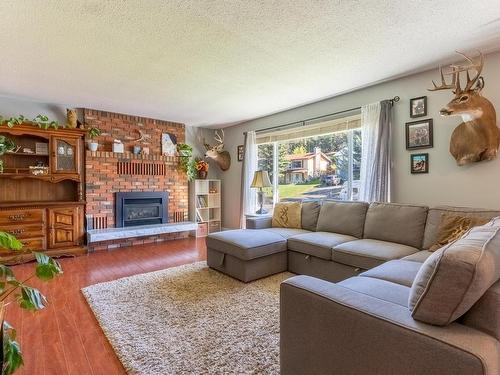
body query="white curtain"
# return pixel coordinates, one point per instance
(248, 195)
(375, 153)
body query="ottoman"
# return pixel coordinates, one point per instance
(247, 254)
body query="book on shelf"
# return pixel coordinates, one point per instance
(202, 201)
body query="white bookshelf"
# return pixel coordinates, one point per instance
(207, 206)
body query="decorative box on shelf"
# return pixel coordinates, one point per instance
(39, 170)
(202, 230)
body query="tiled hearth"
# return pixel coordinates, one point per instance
(108, 173)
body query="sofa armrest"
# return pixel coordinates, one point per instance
(327, 328)
(259, 222)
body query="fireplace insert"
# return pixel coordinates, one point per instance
(141, 208)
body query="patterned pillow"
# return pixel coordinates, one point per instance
(287, 215)
(453, 227)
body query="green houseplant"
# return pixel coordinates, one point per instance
(19, 292)
(186, 162)
(94, 133)
(6, 145)
(41, 121)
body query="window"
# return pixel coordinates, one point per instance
(318, 163)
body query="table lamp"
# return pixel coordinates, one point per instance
(261, 180)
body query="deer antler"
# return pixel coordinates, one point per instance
(218, 138)
(455, 72)
(455, 81)
(207, 146)
(477, 67)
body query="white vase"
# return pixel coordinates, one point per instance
(93, 146)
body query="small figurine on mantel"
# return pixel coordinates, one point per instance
(72, 119)
(118, 146)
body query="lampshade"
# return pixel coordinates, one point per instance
(261, 179)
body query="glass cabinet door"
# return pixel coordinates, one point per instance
(65, 155)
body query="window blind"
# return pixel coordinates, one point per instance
(309, 129)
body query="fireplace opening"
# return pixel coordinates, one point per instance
(141, 208)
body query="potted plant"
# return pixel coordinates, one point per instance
(201, 167)
(186, 164)
(18, 292)
(94, 133)
(6, 145)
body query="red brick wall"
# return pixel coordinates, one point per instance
(103, 181)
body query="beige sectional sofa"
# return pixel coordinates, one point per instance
(353, 315)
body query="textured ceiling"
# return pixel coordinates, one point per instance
(219, 62)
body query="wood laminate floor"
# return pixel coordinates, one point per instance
(65, 338)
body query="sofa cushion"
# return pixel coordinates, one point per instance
(368, 253)
(287, 215)
(377, 288)
(287, 232)
(434, 219)
(398, 271)
(419, 257)
(246, 244)
(484, 314)
(310, 213)
(342, 217)
(403, 224)
(455, 277)
(318, 244)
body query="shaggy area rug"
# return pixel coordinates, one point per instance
(190, 320)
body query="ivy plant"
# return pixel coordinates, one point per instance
(14, 291)
(186, 162)
(94, 132)
(41, 121)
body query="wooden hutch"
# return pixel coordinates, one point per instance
(42, 191)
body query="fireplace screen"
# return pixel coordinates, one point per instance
(144, 208)
(141, 212)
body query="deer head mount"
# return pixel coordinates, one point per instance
(477, 138)
(217, 153)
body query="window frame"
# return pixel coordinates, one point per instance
(350, 146)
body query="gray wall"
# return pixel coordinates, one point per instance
(475, 185)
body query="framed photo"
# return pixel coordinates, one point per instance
(419, 163)
(241, 152)
(418, 107)
(168, 144)
(419, 134)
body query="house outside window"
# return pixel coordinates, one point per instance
(321, 162)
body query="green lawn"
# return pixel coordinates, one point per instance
(296, 190)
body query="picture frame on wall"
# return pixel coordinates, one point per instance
(419, 163)
(419, 134)
(241, 152)
(168, 144)
(418, 107)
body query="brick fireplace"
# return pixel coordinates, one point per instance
(108, 173)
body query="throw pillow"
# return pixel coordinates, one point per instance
(452, 227)
(310, 212)
(287, 215)
(456, 276)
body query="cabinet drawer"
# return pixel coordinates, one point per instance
(35, 215)
(34, 244)
(26, 230)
